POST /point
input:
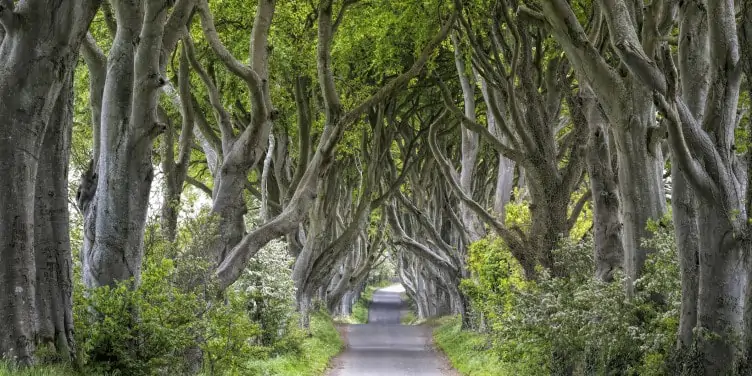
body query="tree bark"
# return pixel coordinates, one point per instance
(628, 105)
(38, 52)
(693, 63)
(470, 145)
(702, 147)
(54, 264)
(506, 166)
(116, 215)
(607, 224)
(175, 169)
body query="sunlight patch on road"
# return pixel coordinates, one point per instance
(398, 288)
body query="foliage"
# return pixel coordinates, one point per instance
(360, 312)
(170, 323)
(134, 331)
(316, 351)
(575, 322)
(409, 318)
(518, 212)
(270, 291)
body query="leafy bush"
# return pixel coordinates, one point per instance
(135, 331)
(172, 323)
(270, 293)
(576, 324)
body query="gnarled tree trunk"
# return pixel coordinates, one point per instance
(38, 52)
(115, 210)
(607, 224)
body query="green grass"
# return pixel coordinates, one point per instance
(316, 352)
(360, 312)
(466, 350)
(409, 318)
(7, 370)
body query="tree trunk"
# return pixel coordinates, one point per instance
(640, 172)
(115, 218)
(505, 174)
(722, 285)
(628, 105)
(175, 170)
(688, 245)
(54, 264)
(18, 272)
(470, 146)
(38, 53)
(693, 62)
(607, 225)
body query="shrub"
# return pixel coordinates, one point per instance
(576, 324)
(134, 331)
(172, 323)
(270, 293)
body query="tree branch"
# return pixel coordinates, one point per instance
(627, 44)
(196, 183)
(578, 209)
(475, 127)
(186, 110)
(401, 238)
(205, 128)
(445, 168)
(147, 78)
(175, 29)
(425, 222)
(692, 169)
(579, 48)
(96, 61)
(223, 117)
(323, 55)
(404, 78)
(251, 77)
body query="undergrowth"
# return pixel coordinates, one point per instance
(467, 351)
(315, 352)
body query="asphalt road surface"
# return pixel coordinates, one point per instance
(383, 347)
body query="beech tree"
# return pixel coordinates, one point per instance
(526, 92)
(114, 193)
(38, 52)
(628, 105)
(698, 93)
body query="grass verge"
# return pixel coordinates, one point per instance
(409, 318)
(467, 351)
(8, 370)
(316, 352)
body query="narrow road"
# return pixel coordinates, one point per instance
(384, 347)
